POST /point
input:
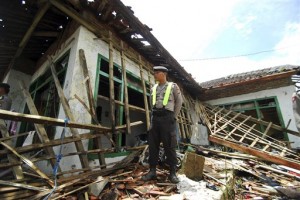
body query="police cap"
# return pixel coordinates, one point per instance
(160, 68)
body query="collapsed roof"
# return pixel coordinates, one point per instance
(27, 40)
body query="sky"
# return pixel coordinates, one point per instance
(200, 33)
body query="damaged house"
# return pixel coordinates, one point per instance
(80, 74)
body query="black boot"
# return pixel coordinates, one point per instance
(172, 177)
(151, 175)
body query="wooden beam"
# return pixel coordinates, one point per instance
(45, 34)
(132, 107)
(267, 156)
(94, 117)
(126, 102)
(92, 24)
(17, 170)
(69, 115)
(4, 114)
(29, 163)
(90, 95)
(259, 121)
(37, 18)
(76, 16)
(144, 94)
(111, 85)
(267, 130)
(39, 127)
(20, 185)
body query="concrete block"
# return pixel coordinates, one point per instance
(193, 165)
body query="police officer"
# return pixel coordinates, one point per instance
(166, 101)
(5, 100)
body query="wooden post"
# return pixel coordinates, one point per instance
(145, 94)
(79, 146)
(39, 128)
(111, 84)
(88, 85)
(127, 116)
(17, 170)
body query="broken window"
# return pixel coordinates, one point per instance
(266, 109)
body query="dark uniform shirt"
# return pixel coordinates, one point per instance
(5, 102)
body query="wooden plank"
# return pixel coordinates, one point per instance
(274, 126)
(111, 85)
(29, 163)
(269, 157)
(126, 102)
(147, 113)
(20, 185)
(79, 145)
(36, 19)
(39, 128)
(254, 142)
(245, 135)
(132, 107)
(4, 114)
(238, 126)
(17, 170)
(92, 105)
(267, 130)
(225, 125)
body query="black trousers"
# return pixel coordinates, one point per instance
(163, 129)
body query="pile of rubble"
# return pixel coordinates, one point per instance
(205, 174)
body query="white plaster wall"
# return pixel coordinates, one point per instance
(284, 96)
(70, 162)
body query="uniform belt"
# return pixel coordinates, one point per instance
(162, 112)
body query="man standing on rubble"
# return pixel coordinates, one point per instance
(166, 101)
(5, 100)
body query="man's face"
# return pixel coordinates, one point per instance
(2, 91)
(159, 75)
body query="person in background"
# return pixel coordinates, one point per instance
(296, 99)
(166, 101)
(5, 100)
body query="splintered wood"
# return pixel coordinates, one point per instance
(121, 181)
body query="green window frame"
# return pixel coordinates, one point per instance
(258, 106)
(104, 73)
